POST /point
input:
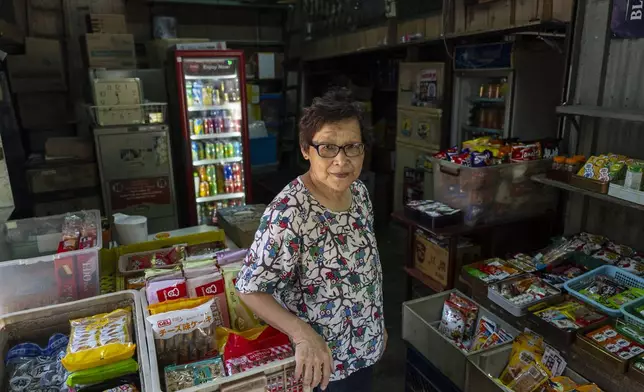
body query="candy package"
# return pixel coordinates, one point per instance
(103, 373)
(212, 285)
(615, 343)
(29, 367)
(525, 371)
(156, 274)
(488, 334)
(606, 256)
(184, 335)
(491, 270)
(635, 267)
(204, 249)
(559, 275)
(570, 315)
(99, 340)
(252, 348)
(158, 258)
(177, 304)
(608, 292)
(178, 377)
(241, 317)
(525, 290)
(459, 318)
(164, 290)
(227, 257)
(129, 383)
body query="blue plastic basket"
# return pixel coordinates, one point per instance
(573, 286)
(630, 315)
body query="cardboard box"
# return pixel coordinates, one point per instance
(46, 23)
(240, 223)
(157, 50)
(106, 24)
(115, 51)
(40, 69)
(433, 259)
(62, 177)
(269, 65)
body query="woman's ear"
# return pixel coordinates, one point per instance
(305, 154)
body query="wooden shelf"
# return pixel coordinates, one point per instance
(541, 178)
(602, 112)
(424, 279)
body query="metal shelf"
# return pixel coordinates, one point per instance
(216, 161)
(225, 196)
(541, 178)
(487, 100)
(602, 112)
(227, 3)
(210, 77)
(230, 105)
(482, 130)
(215, 136)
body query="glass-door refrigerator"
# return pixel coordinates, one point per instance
(212, 129)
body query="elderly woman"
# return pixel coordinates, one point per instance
(313, 271)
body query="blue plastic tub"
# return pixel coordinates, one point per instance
(574, 286)
(263, 150)
(630, 314)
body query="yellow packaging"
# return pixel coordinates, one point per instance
(178, 304)
(99, 340)
(241, 317)
(481, 141)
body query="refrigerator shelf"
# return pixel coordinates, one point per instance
(215, 136)
(225, 196)
(223, 106)
(210, 77)
(482, 130)
(216, 161)
(486, 100)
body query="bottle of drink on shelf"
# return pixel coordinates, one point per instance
(211, 152)
(237, 178)
(189, 99)
(229, 150)
(220, 150)
(204, 189)
(203, 176)
(209, 125)
(228, 122)
(220, 179)
(197, 181)
(228, 178)
(197, 93)
(219, 123)
(195, 151)
(222, 92)
(207, 94)
(212, 179)
(199, 213)
(238, 149)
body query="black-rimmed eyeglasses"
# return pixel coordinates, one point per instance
(332, 150)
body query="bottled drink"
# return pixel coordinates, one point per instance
(191, 122)
(228, 122)
(238, 148)
(219, 150)
(229, 150)
(189, 100)
(212, 179)
(197, 181)
(198, 126)
(204, 189)
(199, 212)
(197, 93)
(203, 175)
(202, 151)
(210, 126)
(237, 178)
(228, 179)
(222, 93)
(207, 94)
(195, 151)
(220, 179)
(219, 123)
(216, 97)
(211, 152)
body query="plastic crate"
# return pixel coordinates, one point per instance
(484, 369)
(37, 325)
(630, 315)
(33, 275)
(573, 286)
(275, 373)
(494, 193)
(421, 319)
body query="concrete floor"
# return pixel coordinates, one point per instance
(390, 371)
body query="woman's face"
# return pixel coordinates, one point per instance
(340, 172)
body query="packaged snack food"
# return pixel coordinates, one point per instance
(156, 274)
(633, 266)
(204, 249)
(178, 377)
(99, 340)
(177, 304)
(230, 256)
(524, 371)
(256, 347)
(241, 317)
(484, 330)
(185, 335)
(160, 258)
(615, 343)
(29, 367)
(525, 152)
(136, 283)
(606, 256)
(164, 290)
(491, 270)
(212, 285)
(129, 383)
(103, 373)
(459, 318)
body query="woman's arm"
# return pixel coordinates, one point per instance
(312, 354)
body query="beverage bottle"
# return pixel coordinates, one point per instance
(204, 189)
(212, 179)
(219, 123)
(198, 127)
(238, 149)
(237, 180)
(195, 151)
(207, 94)
(227, 121)
(197, 181)
(202, 151)
(229, 150)
(220, 154)
(189, 100)
(197, 93)
(237, 125)
(220, 179)
(228, 178)
(216, 97)
(191, 123)
(207, 150)
(203, 176)
(199, 212)
(222, 93)
(211, 125)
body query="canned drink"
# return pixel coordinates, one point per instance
(195, 151)
(204, 189)
(210, 125)
(212, 179)
(189, 100)
(230, 150)
(198, 126)
(191, 124)
(219, 151)
(228, 179)
(228, 122)
(219, 123)
(197, 93)
(238, 149)
(220, 179)
(202, 151)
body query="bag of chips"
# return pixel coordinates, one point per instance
(212, 285)
(29, 367)
(99, 340)
(459, 318)
(180, 377)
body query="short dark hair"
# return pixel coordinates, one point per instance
(335, 105)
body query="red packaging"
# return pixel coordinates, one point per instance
(86, 275)
(213, 285)
(65, 272)
(241, 354)
(525, 152)
(462, 159)
(173, 292)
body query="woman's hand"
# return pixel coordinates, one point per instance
(313, 358)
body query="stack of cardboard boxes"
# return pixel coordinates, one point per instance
(107, 43)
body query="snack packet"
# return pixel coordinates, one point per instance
(103, 373)
(212, 285)
(179, 377)
(252, 348)
(29, 367)
(99, 340)
(177, 304)
(160, 291)
(241, 317)
(459, 318)
(524, 372)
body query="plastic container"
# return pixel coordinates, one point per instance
(484, 368)
(573, 286)
(494, 193)
(494, 295)
(421, 318)
(630, 315)
(272, 372)
(131, 229)
(32, 274)
(38, 324)
(263, 150)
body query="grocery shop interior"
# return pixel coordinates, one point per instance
(306, 195)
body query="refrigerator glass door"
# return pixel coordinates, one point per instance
(214, 112)
(482, 103)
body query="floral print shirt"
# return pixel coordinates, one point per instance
(324, 267)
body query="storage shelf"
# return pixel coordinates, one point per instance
(210, 77)
(602, 112)
(483, 130)
(216, 161)
(424, 279)
(230, 105)
(210, 136)
(228, 3)
(541, 178)
(487, 100)
(225, 196)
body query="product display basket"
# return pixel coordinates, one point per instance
(630, 314)
(495, 296)
(575, 285)
(37, 325)
(140, 114)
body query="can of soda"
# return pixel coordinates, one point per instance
(210, 151)
(228, 178)
(219, 150)
(238, 148)
(195, 151)
(212, 179)
(197, 93)
(198, 126)
(191, 124)
(220, 179)
(210, 125)
(189, 99)
(202, 151)
(230, 150)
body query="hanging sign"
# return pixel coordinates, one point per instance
(628, 19)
